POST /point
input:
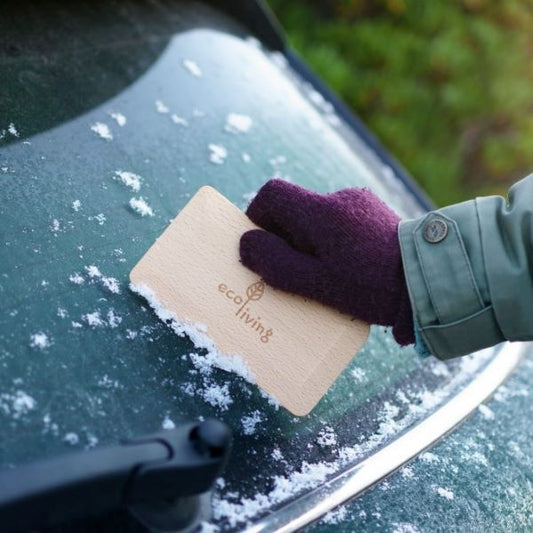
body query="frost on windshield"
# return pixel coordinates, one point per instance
(463, 471)
(408, 404)
(84, 360)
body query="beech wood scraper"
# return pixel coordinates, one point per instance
(295, 348)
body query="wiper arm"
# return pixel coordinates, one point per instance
(160, 478)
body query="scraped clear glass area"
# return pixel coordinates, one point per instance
(101, 144)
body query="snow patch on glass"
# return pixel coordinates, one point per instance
(102, 130)
(250, 422)
(119, 118)
(161, 107)
(140, 206)
(327, 437)
(236, 123)
(71, 438)
(192, 68)
(39, 341)
(178, 120)
(217, 153)
(487, 412)
(168, 423)
(445, 493)
(131, 180)
(76, 278)
(17, 405)
(111, 284)
(13, 130)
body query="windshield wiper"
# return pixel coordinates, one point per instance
(160, 478)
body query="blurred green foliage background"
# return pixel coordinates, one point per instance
(447, 85)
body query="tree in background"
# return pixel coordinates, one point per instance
(447, 84)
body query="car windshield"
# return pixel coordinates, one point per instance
(102, 142)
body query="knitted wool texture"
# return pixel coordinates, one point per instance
(340, 249)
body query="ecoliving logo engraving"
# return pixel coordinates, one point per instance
(243, 313)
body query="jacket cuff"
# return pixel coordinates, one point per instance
(446, 279)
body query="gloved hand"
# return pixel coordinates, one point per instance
(340, 249)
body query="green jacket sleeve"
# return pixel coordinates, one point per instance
(469, 271)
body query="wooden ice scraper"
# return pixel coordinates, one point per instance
(294, 347)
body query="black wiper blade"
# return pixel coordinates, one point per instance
(153, 476)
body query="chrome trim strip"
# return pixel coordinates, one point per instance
(354, 481)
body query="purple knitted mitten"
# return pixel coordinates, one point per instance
(341, 249)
